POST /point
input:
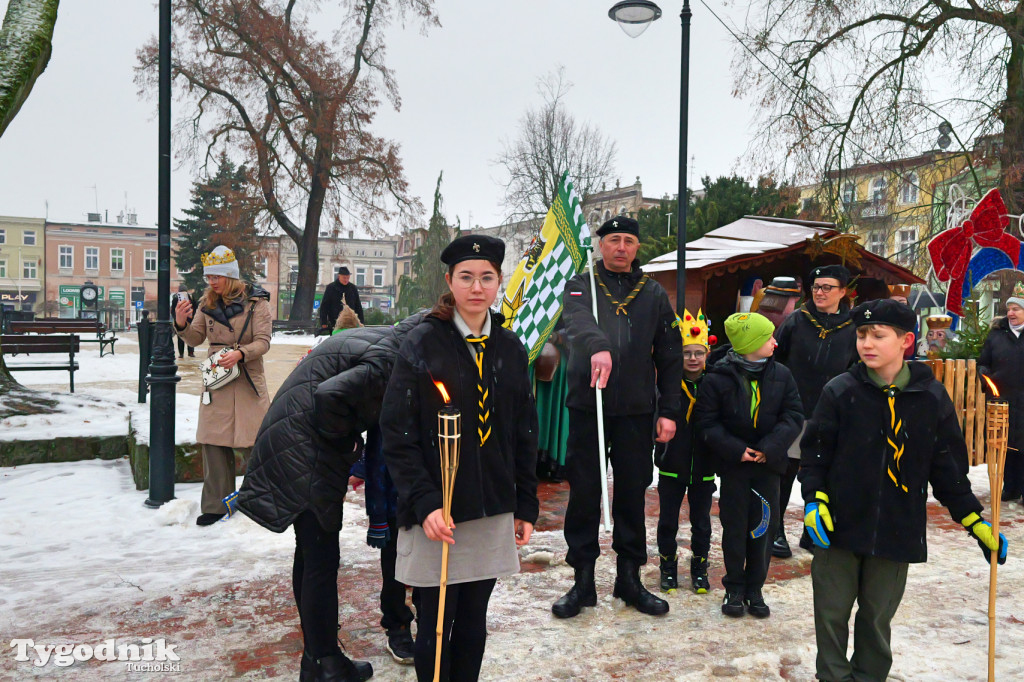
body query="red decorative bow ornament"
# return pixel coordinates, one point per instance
(951, 250)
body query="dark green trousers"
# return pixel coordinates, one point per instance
(840, 578)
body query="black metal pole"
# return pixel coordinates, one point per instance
(684, 109)
(163, 373)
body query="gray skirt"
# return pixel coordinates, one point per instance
(484, 549)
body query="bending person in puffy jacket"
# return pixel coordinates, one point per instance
(298, 475)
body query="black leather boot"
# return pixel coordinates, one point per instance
(629, 589)
(339, 668)
(583, 593)
(669, 573)
(699, 574)
(780, 546)
(308, 669)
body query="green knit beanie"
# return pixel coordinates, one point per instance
(748, 331)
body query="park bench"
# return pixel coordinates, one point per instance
(21, 344)
(55, 325)
(294, 326)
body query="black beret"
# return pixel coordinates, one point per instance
(885, 311)
(836, 272)
(619, 223)
(474, 247)
(343, 271)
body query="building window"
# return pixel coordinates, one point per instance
(405, 268)
(360, 276)
(260, 268)
(92, 258)
(28, 268)
(117, 260)
(3, 268)
(65, 257)
(149, 260)
(909, 191)
(876, 243)
(293, 274)
(607, 214)
(594, 217)
(905, 246)
(878, 187)
(29, 237)
(378, 277)
(3, 236)
(849, 193)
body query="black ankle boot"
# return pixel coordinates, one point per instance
(629, 589)
(780, 546)
(308, 669)
(699, 574)
(339, 668)
(669, 573)
(583, 593)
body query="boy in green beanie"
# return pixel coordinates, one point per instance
(749, 413)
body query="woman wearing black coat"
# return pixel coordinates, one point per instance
(1002, 360)
(483, 367)
(298, 475)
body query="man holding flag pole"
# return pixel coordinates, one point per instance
(629, 351)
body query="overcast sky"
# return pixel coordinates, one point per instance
(464, 87)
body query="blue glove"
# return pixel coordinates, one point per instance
(378, 535)
(981, 530)
(817, 519)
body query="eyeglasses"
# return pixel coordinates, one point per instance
(693, 354)
(465, 281)
(824, 288)
(212, 278)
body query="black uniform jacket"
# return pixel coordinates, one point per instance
(685, 454)
(643, 340)
(845, 453)
(1002, 360)
(814, 361)
(330, 304)
(727, 428)
(305, 446)
(499, 478)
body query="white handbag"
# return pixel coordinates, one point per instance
(214, 374)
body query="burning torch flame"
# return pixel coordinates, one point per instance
(991, 385)
(447, 398)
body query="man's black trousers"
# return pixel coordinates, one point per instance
(630, 440)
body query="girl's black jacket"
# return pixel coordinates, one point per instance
(845, 454)
(499, 479)
(726, 427)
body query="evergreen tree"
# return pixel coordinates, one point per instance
(222, 213)
(422, 288)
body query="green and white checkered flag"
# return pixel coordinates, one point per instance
(532, 302)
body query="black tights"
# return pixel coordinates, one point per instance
(315, 584)
(465, 630)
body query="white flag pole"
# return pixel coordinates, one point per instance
(602, 450)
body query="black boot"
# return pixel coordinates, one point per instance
(583, 593)
(339, 668)
(756, 606)
(629, 589)
(732, 605)
(208, 519)
(669, 573)
(699, 574)
(780, 546)
(308, 669)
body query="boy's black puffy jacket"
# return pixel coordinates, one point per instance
(726, 427)
(845, 454)
(685, 454)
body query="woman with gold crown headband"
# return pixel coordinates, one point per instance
(1002, 360)
(236, 315)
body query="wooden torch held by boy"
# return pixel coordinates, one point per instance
(998, 427)
(449, 438)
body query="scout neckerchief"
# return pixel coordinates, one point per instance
(620, 307)
(894, 434)
(483, 428)
(691, 396)
(822, 332)
(755, 400)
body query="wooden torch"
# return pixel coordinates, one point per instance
(997, 422)
(449, 440)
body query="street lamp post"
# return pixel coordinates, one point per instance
(163, 372)
(634, 16)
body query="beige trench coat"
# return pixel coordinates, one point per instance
(235, 412)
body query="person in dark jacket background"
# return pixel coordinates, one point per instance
(337, 295)
(1002, 360)
(483, 368)
(632, 351)
(817, 342)
(184, 295)
(748, 414)
(880, 433)
(684, 469)
(298, 475)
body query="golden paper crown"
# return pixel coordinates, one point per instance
(938, 322)
(213, 258)
(694, 330)
(899, 290)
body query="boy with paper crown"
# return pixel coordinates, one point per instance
(748, 414)
(684, 469)
(880, 434)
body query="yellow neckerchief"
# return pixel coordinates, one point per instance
(693, 400)
(822, 332)
(755, 400)
(620, 307)
(893, 437)
(483, 428)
